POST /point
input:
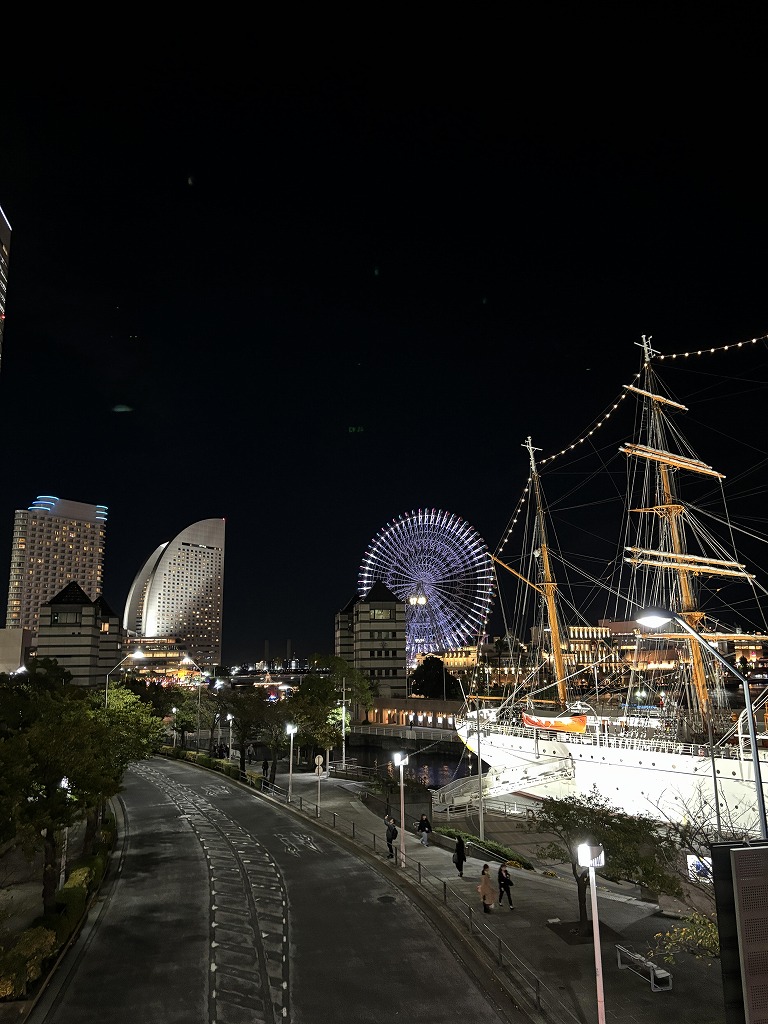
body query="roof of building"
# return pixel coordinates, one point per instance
(73, 593)
(381, 594)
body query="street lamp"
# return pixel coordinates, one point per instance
(594, 857)
(291, 730)
(174, 710)
(189, 661)
(229, 719)
(134, 654)
(402, 761)
(653, 617)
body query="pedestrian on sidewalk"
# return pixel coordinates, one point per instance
(391, 835)
(459, 856)
(250, 753)
(264, 767)
(487, 889)
(505, 883)
(424, 828)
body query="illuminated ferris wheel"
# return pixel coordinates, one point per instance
(441, 568)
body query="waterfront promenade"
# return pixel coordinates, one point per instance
(531, 951)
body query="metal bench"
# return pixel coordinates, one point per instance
(660, 979)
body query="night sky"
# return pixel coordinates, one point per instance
(310, 299)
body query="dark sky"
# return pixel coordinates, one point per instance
(329, 297)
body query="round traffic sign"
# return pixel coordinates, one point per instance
(318, 770)
(318, 759)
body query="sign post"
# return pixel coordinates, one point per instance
(318, 773)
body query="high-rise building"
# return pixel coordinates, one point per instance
(179, 592)
(5, 253)
(55, 542)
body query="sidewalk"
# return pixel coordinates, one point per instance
(539, 930)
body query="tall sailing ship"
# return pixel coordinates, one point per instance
(647, 716)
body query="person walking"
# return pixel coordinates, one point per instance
(250, 753)
(487, 889)
(391, 835)
(505, 884)
(459, 856)
(264, 767)
(424, 828)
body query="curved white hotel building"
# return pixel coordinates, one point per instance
(179, 592)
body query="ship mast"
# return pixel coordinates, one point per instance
(548, 584)
(671, 511)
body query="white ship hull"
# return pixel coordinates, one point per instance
(663, 779)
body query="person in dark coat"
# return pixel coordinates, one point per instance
(391, 835)
(459, 856)
(423, 827)
(505, 884)
(264, 767)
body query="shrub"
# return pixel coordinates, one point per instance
(490, 846)
(24, 961)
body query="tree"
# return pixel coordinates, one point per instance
(248, 707)
(67, 755)
(316, 705)
(636, 848)
(431, 680)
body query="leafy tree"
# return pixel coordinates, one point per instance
(66, 757)
(273, 732)
(636, 848)
(248, 707)
(431, 679)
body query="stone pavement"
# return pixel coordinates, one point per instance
(539, 931)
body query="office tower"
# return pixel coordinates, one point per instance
(179, 592)
(55, 542)
(5, 251)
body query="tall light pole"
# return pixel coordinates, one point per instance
(229, 719)
(291, 730)
(594, 857)
(189, 661)
(480, 774)
(343, 724)
(135, 655)
(402, 761)
(660, 616)
(174, 710)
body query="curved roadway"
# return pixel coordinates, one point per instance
(223, 907)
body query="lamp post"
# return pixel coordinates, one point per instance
(402, 761)
(291, 730)
(189, 661)
(594, 857)
(135, 655)
(659, 617)
(343, 724)
(229, 719)
(174, 710)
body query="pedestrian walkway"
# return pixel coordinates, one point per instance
(540, 951)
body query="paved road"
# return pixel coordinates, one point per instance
(224, 907)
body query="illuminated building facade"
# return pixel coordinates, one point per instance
(179, 592)
(55, 542)
(5, 254)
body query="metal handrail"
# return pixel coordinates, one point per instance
(527, 983)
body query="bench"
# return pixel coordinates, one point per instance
(660, 979)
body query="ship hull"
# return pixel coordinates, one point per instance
(669, 781)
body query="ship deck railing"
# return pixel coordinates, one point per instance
(630, 740)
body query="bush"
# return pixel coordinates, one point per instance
(24, 961)
(505, 853)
